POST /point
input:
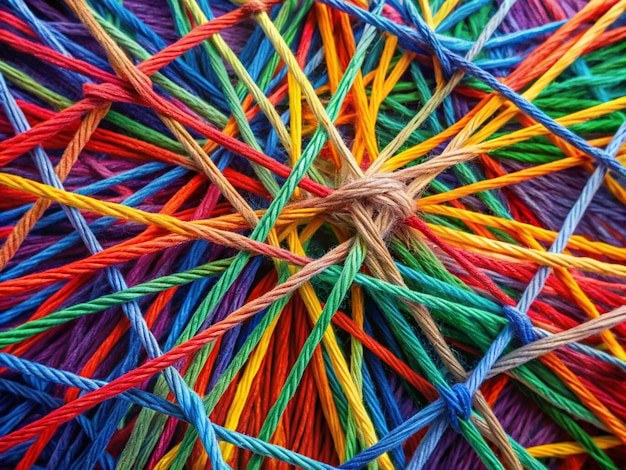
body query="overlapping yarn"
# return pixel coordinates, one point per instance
(312, 234)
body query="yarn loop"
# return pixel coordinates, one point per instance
(458, 401)
(521, 324)
(383, 197)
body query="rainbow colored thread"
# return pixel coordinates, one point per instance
(299, 234)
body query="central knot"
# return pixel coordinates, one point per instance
(378, 194)
(380, 198)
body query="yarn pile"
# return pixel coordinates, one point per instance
(313, 234)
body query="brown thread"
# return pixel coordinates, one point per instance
(548, 344)
(381, 196)
(372, 219)
(143, 86)
(19, 233)
(377, 203)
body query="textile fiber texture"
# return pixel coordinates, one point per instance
(313, 234)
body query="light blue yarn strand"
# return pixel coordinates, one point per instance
(146, 399)
(189, 401)
(423, 36)
(428, 444)
(538, 281)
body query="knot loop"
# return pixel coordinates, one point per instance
(458, 400)
(521, 324)
(381, 194)
(110, 92)
(254, 6)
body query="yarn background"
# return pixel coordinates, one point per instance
(514, 237)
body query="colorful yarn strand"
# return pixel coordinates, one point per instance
(314, 235)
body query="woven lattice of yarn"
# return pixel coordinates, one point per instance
(312, 234)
